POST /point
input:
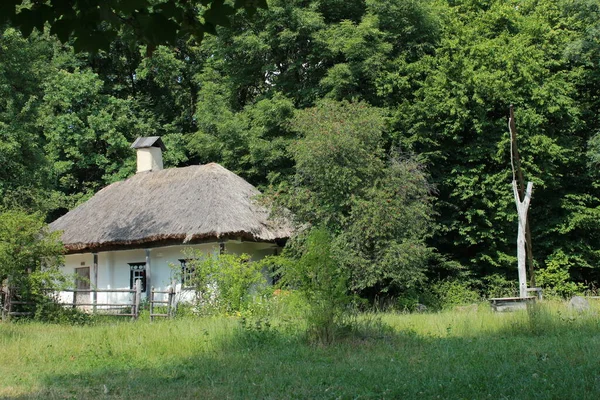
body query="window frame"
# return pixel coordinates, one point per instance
(186, 272)
(135, 267)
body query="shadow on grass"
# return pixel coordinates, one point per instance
(538, 357)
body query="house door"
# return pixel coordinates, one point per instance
(82, 282)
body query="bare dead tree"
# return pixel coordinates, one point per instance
(522, 199)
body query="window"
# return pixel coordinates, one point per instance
(137, 271)
(187, 273)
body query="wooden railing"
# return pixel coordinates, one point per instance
(10, 299)
(168, 303)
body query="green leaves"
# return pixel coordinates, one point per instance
(378, 211)
(94, 24)
(491, 56)
(321, 280)
(222, 283)
(432, 78)
(26, 245)
(87, 133)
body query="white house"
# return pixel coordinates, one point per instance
(137, 228)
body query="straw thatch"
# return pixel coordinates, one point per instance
(177, 205)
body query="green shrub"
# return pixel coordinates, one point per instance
(556, 279)
(497, 285)
(48, 310)
(408, 302)
(449, 293)
(322, 283)
(29, 259)
(225, 283)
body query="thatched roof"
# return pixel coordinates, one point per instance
(177, 205)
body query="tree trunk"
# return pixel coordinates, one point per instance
(522, 207)
(516, 164)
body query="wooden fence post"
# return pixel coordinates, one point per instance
(5, 303)
(6, 306)
(8, 300)
(173, 298)
(151, 303)
(95, 293)
(137, 298)
(170, 303)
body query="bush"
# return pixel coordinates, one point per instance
(556, 279)
(26, 246)
(497, 285)
(48, 310)
(451, 292)
(29, 260)
(224, 283)
(322, 283)
(408, 301)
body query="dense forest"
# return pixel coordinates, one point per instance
(421, 88)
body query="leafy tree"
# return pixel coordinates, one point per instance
(454, 117)
(556, 279)
(252, 143)
(376, 206)
(583, 50)
(23, 67)
(29, 253)
(298, 51)
(87, 133)
(307, 50)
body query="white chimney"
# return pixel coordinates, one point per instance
(149, 153)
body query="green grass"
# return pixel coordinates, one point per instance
(549, 353)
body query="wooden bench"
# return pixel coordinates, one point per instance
(502, 304)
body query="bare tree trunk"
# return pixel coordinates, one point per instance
(516, 162)
(522, 207)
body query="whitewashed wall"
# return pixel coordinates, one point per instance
(114, 270)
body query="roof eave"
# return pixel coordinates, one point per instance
(165, 240)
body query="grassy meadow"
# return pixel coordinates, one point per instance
(546, 353)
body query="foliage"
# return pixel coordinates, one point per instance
(26, 246)
(454, 116)
(252, 142)
(94, 24)
(64, 137)
(408, 301)
(378, 209)
(87, 133)
(224, 283)
(451, 292)
(323, 283)
(593, 152)
(48, 310)
(434, 79)
(24, 177)
(497, 285)
(556, 279)
(29, 259)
